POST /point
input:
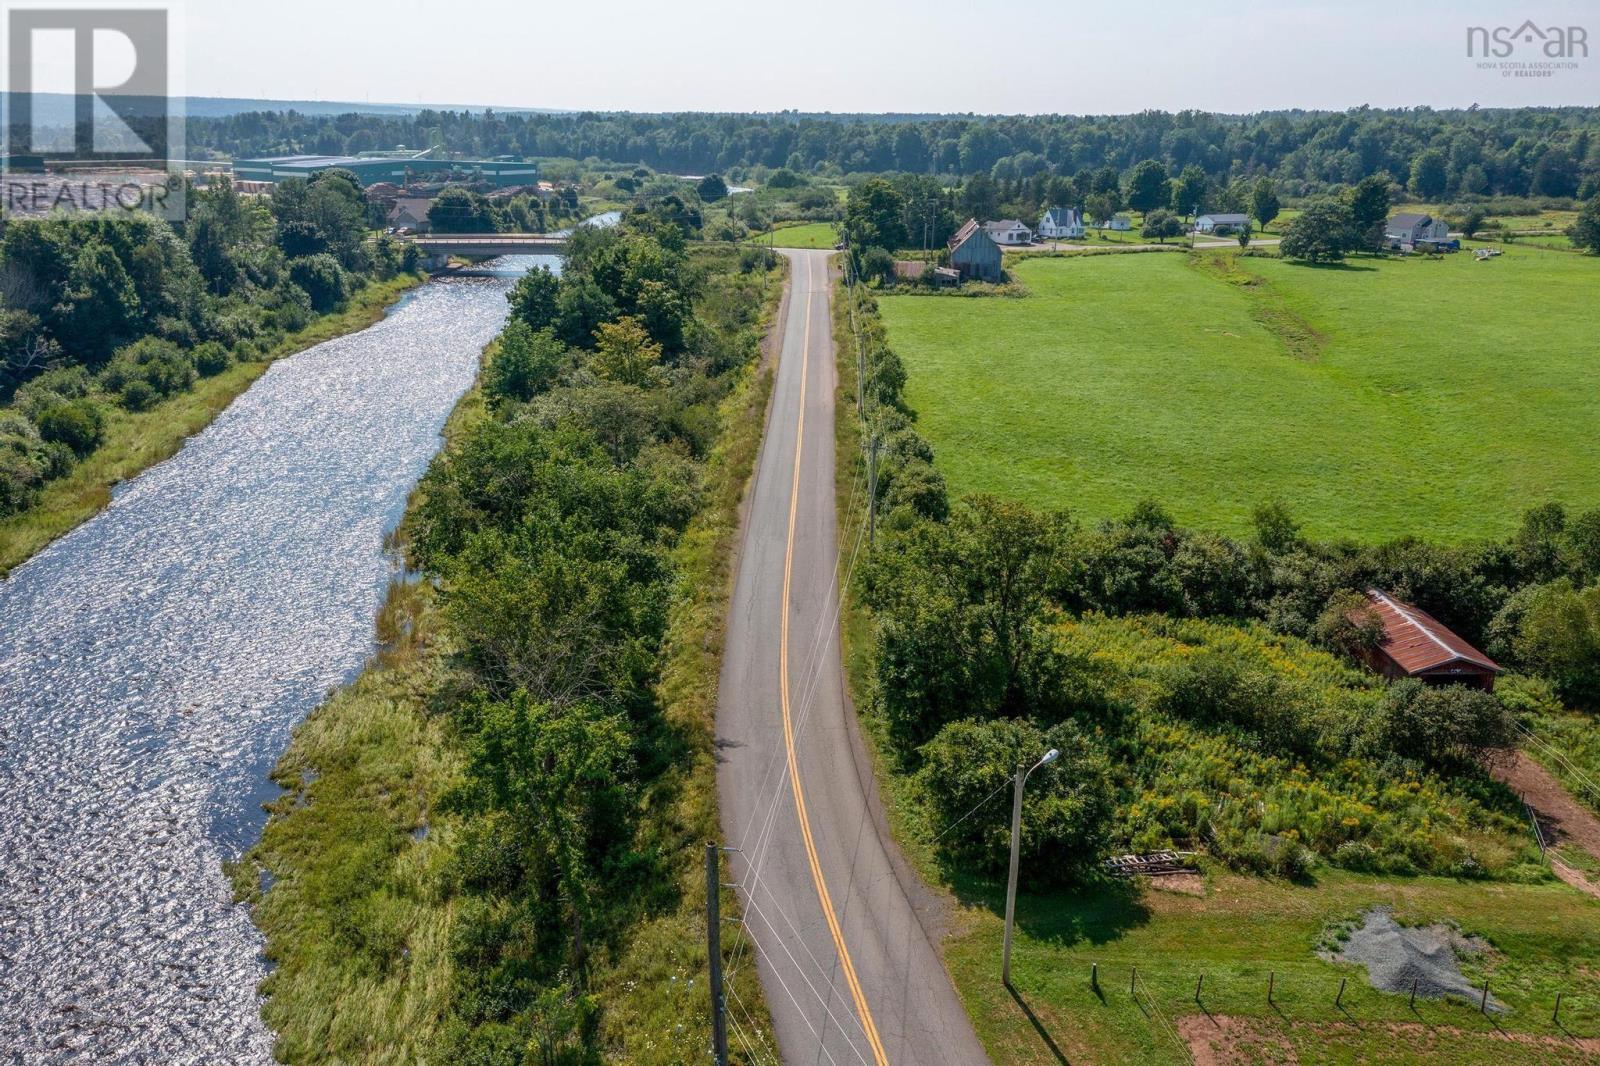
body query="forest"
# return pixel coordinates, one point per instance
(1551, 152)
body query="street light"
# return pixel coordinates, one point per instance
(1016, 834)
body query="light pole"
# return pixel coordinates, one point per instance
(1016, 836)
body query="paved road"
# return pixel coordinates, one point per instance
(841, 926)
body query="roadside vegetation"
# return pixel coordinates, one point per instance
(120, 337)
(488, 851)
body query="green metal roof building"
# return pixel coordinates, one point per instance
(373, 169)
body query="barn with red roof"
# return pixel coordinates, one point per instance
(1415, 644)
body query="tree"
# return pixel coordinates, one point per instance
(1369, 211)
(1067, 807)
(535, 297)
(1429, 174)
(1323, 233)
(1189, 191)
(101, 307)
(712, 188)
(458, 210)
(1244, 234)
(1147, 186)
(1100, 207)
(964, 619)
(875, 216)
(1161, 224)
(1585, 230)
(624, 353)
(1472, 221)
(525, 363)
(322, 279)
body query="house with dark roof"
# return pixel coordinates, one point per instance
(974, 253)
(1224, 223)
(1415, 227)
(1415, 644)
(410, 212)
(1061, 222)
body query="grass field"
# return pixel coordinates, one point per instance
(1378, 398)
(1545, 938)
(802, 235)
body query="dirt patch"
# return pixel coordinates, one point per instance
(1561, 818)
(1399, 958)
(1182, 884)
(1217, 1040)
(1220, 1040)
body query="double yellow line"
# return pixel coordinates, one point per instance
(862, 1011)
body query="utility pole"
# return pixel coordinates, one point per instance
(872, 495)
(719, 1019)
(1016, 837)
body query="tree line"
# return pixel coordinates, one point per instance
(1551, 152)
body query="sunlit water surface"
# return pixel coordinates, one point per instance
(153, 663)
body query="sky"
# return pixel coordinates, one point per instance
(983, 56)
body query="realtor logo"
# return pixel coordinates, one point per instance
(92, 121)
(1552, 42)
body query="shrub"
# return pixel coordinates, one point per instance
(1442, 726)
(211, 359)
(1067, 805)
(525, 364)
(146, 371)
(78, 424)
(322, 279)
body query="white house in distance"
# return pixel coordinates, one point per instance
(1410, 228)
(1220, 223)
(1008, 231)
(1116, 222)
(1061, 222)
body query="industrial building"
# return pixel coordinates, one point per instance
(397, 169)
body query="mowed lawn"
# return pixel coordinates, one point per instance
(1440, 398)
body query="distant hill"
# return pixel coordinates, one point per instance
(225, 106)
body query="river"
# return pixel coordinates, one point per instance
(154, 661)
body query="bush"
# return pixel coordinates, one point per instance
(211, 359)
(1067, 805)
(322, 279)
(78, 424)
(1443, 726)
(147, 371)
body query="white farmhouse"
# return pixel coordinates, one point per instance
(1061, 222)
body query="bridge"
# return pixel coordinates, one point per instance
(435, 247)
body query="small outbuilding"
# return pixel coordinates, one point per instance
(1415, 644)
(974, 254)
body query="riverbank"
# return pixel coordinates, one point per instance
(391, 935)
(136, 441)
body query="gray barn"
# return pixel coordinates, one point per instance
(974, 253)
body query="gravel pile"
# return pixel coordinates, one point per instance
(1396, 955)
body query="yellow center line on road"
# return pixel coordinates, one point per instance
(862, 1011)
